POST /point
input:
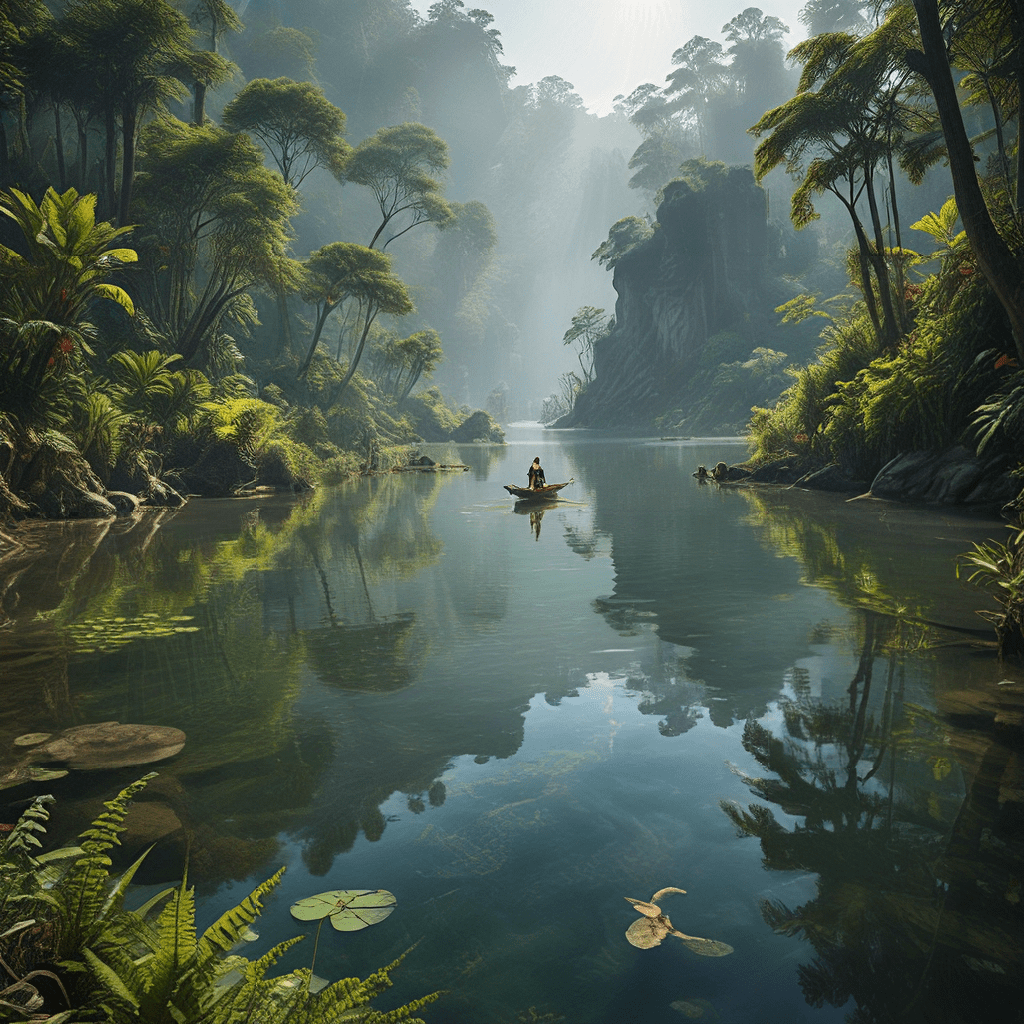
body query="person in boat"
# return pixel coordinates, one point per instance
(535, 476)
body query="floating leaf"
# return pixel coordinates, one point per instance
(646, 932)
(650, 929)
(705, 947)
(350, 910)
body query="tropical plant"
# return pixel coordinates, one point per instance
(1000, 567)
(49, 289)
(148, 965)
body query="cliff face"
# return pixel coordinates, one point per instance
(701, 273)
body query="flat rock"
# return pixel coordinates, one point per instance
(106, 745)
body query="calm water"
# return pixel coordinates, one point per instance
(514, 720)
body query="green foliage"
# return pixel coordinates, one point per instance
(861, 406)
(216, 226)
(48, 290)
(432, 417)
(397, 165)
(623, 236)
(300, 127)
(150, 965)
(248, 423)
(1000, 567)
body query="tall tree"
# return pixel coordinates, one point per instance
(300, 128)
(700, 74)
(342, 271)
(136, 52)
(398, 165)
(298, 125)
(1001, 266)
(845, 124)
(216, 225)
(215, 18)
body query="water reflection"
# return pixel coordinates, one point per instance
(535, 510)
(351, 669)
(862, 793)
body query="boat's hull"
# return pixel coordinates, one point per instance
(535, 494)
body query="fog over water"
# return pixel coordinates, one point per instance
(609, 47)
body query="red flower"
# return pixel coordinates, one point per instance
(966, 271)
(800, 438)
(66, 345)
(1005, 360)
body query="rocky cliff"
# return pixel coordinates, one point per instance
(699, 276)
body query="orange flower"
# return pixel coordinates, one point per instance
(1005, 360)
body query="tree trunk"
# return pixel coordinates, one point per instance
(110, 164)
(128, 126)
(997, 262)
(199, 106)
(58, 144)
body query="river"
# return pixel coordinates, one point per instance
(514, 719)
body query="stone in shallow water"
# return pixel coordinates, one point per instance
(106, 745)
(30, 739)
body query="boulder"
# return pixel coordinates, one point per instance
(955, 476)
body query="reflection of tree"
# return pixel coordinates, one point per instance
(893, 926)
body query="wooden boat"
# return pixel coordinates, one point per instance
(535, 494)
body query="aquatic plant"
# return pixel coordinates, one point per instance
(648, 930)
(348, 910)
(149, 964)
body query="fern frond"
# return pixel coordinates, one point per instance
(110, 979)
(17, 842)
(226, 931)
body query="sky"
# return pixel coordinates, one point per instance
(608, 47)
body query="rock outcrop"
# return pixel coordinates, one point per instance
(955, 476)
(701, 273)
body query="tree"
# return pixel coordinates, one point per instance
(464, 247)
(216, 225)
(399, 363)
(853, 122)
(219, 18)
(49, 289)
(588, 328)
(757, 53)
(623, 236)
(342, 271)
(135, 51)
(699, 75)
(396, 164)
(20, 20)
(1001, 266)
(299, 126)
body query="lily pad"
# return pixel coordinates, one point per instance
(350, 910)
